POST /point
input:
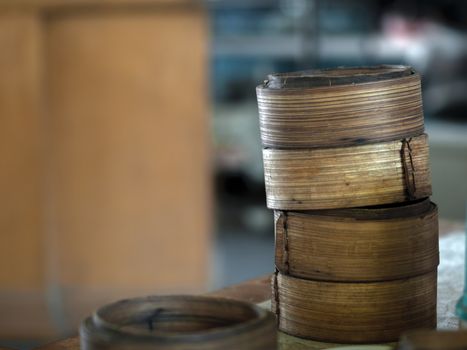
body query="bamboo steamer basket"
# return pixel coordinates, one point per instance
(340, 107)
(358, 245)
(434, 340)
(179, 322)
(373, 312)
(345, 177)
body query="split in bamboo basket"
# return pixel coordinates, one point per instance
(340, 107)
(373, 312)
(179, 322)
(358, 245)
(346, 177)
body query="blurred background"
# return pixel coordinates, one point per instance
(130, 154)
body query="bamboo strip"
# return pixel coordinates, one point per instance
(179, 322)
(340, 107)
(354, 312)
(358, 245)
(345, 177)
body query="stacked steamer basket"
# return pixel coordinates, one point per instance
(347, 174)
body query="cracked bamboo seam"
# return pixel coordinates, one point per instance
(358, 245)
(345, 177)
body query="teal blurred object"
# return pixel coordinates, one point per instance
(461, 307)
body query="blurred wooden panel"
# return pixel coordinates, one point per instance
(107, 193)
(20, 153)
(22, 276)
(128, 138)
(60, 4)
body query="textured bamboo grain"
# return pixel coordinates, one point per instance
(354, 312)
(434, 340)
(340, 107)
(179, 322)
(374, 244)
(345, 177)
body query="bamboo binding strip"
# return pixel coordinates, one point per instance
(340, 107)
(179, 322)
(354, 312)
(345, 177)
(372, 244)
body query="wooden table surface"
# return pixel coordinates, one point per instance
(450, 284)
